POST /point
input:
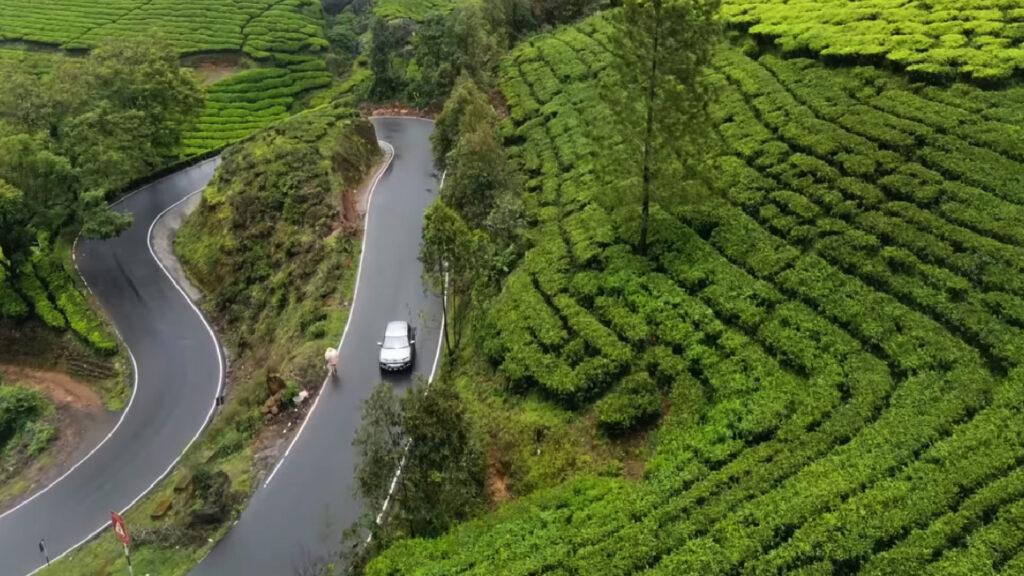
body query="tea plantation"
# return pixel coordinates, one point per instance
(284, 38)
(979, 39)
(411, 9)
(839, 331)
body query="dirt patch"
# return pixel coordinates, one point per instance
(497, 486)
(64, 390)
(211, 68)
(497, 478)
(634, 468)
(82, 422)
(499, 103)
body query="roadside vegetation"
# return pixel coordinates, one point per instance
(819, 329)
(70, 140)
(27, 428)
(274, 251)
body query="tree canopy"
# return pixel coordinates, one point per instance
(661, 51)
(71, 138)
(442, 479)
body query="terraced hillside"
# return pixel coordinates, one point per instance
(283, 37)
(838, 330)
(411, 9)
(981, 39)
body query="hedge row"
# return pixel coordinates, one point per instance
(944, 39)
(79, 314)
(835, 332)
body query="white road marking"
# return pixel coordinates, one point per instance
(390, 152)
(430, 380)
(209, 415)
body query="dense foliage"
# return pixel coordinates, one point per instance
(70, 140)
(411, 9)
(418, 57)
(836, 331)
(271, 218)
(428, 433)
(285, 37)
(980, 39)
(659, 94)
(26, 427)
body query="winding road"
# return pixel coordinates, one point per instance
(297, 516)
(177, 370)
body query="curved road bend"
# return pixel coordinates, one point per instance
(178, 374)
(298, 517)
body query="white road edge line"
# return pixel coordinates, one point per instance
(135, 371)
(430, 380)
(209, 415)
(389, 151)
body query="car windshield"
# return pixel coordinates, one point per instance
(393, 342)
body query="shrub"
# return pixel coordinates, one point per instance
(634, 401)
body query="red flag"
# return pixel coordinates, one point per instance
(120, 528)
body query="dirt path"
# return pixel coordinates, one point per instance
(83, 422)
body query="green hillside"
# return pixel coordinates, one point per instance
(978, 39)
(283, 39)
(836, 334)
(411, 9)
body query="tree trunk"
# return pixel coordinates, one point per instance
(652, 83)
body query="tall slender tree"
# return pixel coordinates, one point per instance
(454, 260)
(658, 90)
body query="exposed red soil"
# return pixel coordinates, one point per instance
(82, 422)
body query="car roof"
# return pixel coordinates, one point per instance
(397, 328)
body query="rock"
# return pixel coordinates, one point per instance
(275, 383)
(162, 508)
(275, 410)
(301, 397)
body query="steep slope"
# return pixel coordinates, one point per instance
(836, 330)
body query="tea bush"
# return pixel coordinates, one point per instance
(284, 39)
(979, 39)
(838, 324)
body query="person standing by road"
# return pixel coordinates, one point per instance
(331, 361)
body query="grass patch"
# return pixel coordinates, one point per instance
(28, 425)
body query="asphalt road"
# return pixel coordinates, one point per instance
(177, 377)
(297, 517)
